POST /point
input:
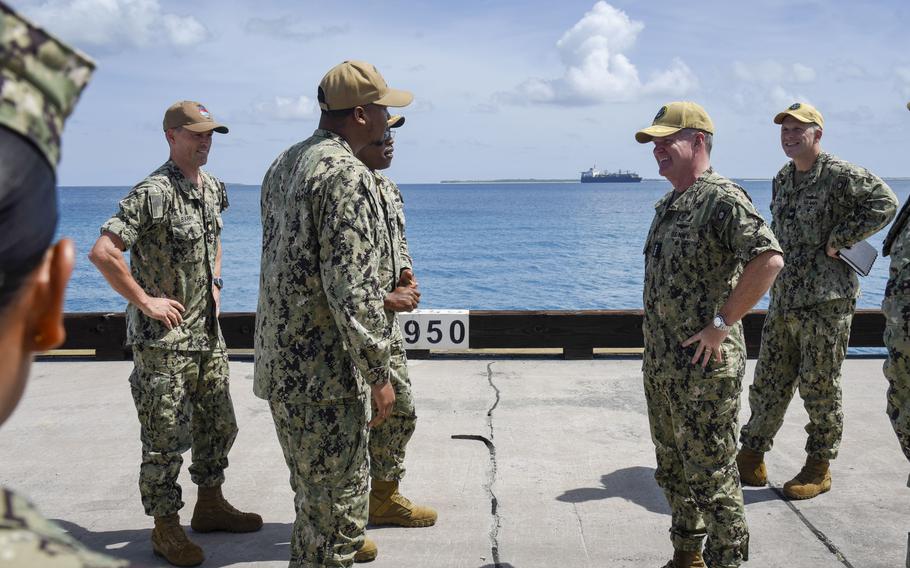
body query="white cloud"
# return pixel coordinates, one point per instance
(770, 72)
(597, 67)
(289, 27)
(118, 23)
(287, 108)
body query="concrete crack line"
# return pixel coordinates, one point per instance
(496, 523)
(815, 530)
(581, 529)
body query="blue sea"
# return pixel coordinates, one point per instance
(562, 246)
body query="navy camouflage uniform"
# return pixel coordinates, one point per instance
(35, 105)
(805, 335)
(323, 336)
(389, 440)
(180, 382)
(896, 308)
(697, 246)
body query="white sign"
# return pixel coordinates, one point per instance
(435, 329)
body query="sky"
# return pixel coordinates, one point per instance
(503, 89)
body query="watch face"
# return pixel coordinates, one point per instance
(719, 323)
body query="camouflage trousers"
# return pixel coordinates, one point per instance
(801, 348)
(183, 401)
(897, 366)
(325, 447)
(695, 443)
(389, 440)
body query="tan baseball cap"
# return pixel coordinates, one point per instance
(193, 116)
(802, 112)
(673, 117)
(358, 83)
(396, 121)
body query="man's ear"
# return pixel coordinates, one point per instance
(360, 115)
(47, 295)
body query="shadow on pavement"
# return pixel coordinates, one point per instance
(269, 544)
(635, 484)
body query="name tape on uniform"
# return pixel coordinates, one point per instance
(435, 329)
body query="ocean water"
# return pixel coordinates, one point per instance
(562, 246)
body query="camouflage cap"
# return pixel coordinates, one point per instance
(802, 112)
(673, 117)
(41, 79)
(358, 83)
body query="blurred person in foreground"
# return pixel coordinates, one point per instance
(389, 440)
(819, 205)
(323, 336)
(709, 257)
(33, 271)
(171, 223)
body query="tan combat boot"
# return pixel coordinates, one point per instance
(814, 479)
(214, 513)
(171, 543)
(367, 552)
(752, 471)
(686, 559)
(389, 507)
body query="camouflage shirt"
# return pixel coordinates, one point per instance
(41, 79)
(321, 330)
(28, 539)
(393, 206)
(697, 246)
(172, 229)
(834, 204)
(897, 246)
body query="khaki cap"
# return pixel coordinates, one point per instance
(396, 121)
(357, 83)
(802, 112)
(673, 117)
(41, 79)
(193, 116)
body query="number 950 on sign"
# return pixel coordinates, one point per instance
(435, 329)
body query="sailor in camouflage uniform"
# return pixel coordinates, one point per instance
(896, 307)
(32, 112)
(323, 338)
(820, 204)
(389, 440)
(709, 257)
(171, 223)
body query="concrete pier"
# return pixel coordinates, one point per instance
(531, 462)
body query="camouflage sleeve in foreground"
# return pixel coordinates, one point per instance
(868, 205)
(28, 539)
(41, 79)
(347, 215)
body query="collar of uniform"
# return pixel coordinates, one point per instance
(181, 181)
(335, 137)
(811, 176)
(690, 192)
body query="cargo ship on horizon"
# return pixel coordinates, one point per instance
(594, 175)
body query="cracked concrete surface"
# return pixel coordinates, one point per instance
(572, 473)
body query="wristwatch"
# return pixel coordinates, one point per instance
(720, 323)
(218, 282)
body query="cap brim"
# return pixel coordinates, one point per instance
(396, 121)
(395, 98)
(207, 126)
(779, 118)
(645, 135)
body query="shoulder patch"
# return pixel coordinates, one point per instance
(156, 203)
(722, 213)
(841, 182)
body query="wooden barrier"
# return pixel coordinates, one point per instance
(577, 333)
